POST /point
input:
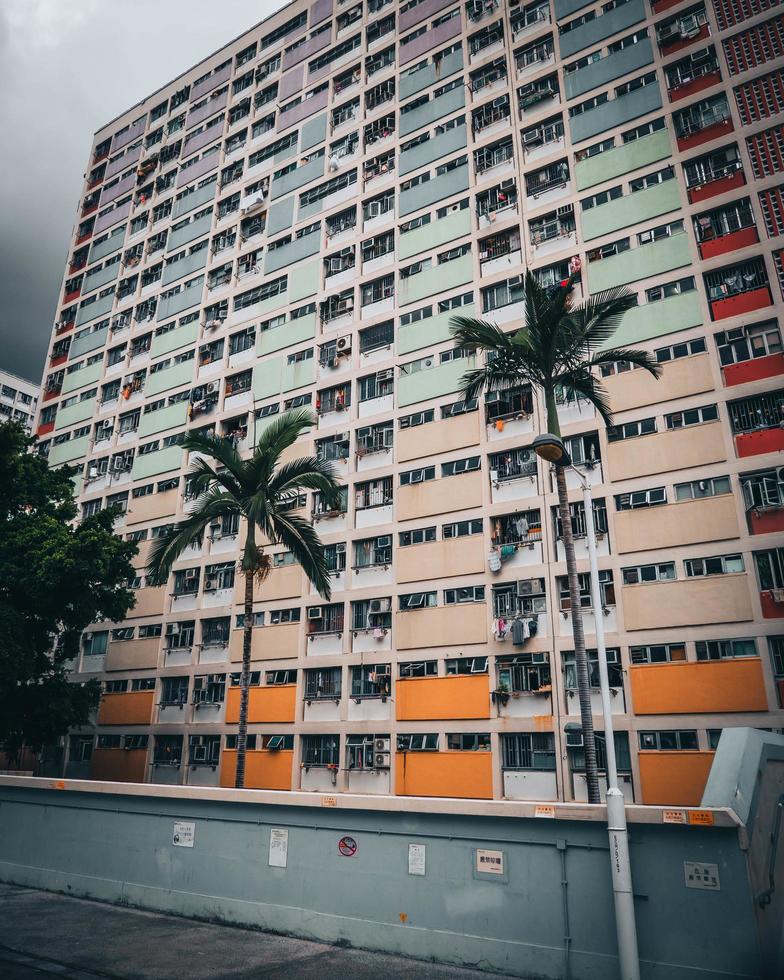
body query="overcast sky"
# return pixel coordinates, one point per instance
(66, 68)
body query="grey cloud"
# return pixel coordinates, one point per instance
(60, 80)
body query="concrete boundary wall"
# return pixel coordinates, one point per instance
(115, 843)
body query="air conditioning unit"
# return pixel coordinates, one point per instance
(574, 739)
(385, 541)
(92, 473)
(381, 744)
(210, 584)
(777, 595)
(454, 208)
(200, 753)
(381, 760)
(343, 345)
(118, 464)
(315, 612)
(565, 210)
(532, 138)
(340, 549)
(380, 606)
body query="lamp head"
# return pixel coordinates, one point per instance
(550, 448)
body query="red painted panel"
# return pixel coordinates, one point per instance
(70, 297)
(84, 237)
(729, 243)
(771, 609)
(58, 360)
(680, 45)
(705, 135)
(780, 686)
(704, 191)
(43, 429)
(86, 211)
(759, 442)
(65, 327)
(754, 299)
(697, 85)
(767, 521)
(754, 370)
(47, 395)
(659, 5)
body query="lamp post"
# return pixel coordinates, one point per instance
(551, 448)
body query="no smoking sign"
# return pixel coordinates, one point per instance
(347, 847)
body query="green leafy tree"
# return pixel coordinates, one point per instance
(56, 578)
(558, 348)
(263, 491)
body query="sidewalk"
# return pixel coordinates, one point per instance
(44, 936)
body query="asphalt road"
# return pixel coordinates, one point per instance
(43, 936)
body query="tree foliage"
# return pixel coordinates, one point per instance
(56, 578)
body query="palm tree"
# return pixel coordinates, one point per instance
(262, 490)
(556, 349)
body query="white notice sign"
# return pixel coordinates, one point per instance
(490, 862)
(183, 834)
(416, 859)
(278, 848)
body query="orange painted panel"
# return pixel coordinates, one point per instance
(126, 708)
(463, 775)
(265, 704)
(693, 688)
(263, 769)
(461, 696)
(674, 778)
(119, 765)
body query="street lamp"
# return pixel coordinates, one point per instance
(551, 449)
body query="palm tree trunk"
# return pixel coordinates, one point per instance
(580, 655)
(242, 729)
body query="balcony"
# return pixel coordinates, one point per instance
(440, 436)
(459, 775)
(754, 369)
(67, 452)
(702, 124)
(153, 464)
(264, 768)
(266, 705)
(689, 602)
(757, 424)
(454, 225)
(432, 110)
(460, 697)
(441, 559)
(704, 687)
(126, 708)
(737, 290)
(674, 778)
(443, 626)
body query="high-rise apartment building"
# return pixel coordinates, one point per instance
(18, 399)
(293, 222)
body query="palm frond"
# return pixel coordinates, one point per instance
(598, 318)
(167, 549)
(304, 473)
(217, 448)
(300, 538)
(581, 382)
(633, 355)
(278, 435)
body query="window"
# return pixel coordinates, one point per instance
(95, 644)
(458, 466)
(417, 600)
(748, 342)
(417, 743)
(658, 653)
(422, 475)
(685, 349)
(614, 669)
(467, 742)
(725, 649)
(641, 498)
(323, 684)
(471, 593)
(419, 418)
(528, 750)
(320, 751)
(718, 565)
(606, 588)
(460, 529)
(466, 665)
(373, 552)
(709, 487)
(631, 430)
(370, 680)
(692, 416)
(417, 536)
(280, 616)
(418, 668)
(641, 574)
(668, 741)
(174, 691)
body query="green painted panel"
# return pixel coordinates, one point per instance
(276, 302)
(174, 339)
(170, 377)
(68, 451)
(101, 305)
(107, 247)
(151, 464)
(191, 201)
(267, 377)
(84, 376)
(192, 262)
(432, 110)
(78, 482)
(433, 190)
(88, 342)
(189, 232)
(434, 234)
(631, 209)
(412, 82)
(433, 149)
(658, 319)
(298, 375)
(313, 131)
(623, 159)
(100, 277)
(163, 419)
(300, 248)
(292, 332)
(280, 215)
(304, 281)
(440, 380)
(425, 333)
(189, 295)
(78, 412)
(437, 279)
(298, 177)
(638, 263)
